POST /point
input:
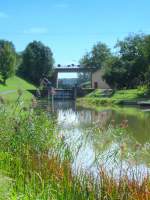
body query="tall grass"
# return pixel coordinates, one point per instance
(36, 164)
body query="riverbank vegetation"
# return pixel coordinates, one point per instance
(119, 97)
(36, 162)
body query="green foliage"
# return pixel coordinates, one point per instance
(114, 73)
(7, 59)
(37, 60)
(128, 69)
(15, 83)
(35, 163)
(96, 93)
(97, 57)
(9, 92)
(118, 97)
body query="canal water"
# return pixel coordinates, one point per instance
(114, 138)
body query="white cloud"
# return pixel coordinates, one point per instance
(61, 5)
(36, 30)
(3, 15)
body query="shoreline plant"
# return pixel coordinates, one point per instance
(36, 163)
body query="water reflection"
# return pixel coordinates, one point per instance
(94, 148)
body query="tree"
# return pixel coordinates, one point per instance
(97, 57)
(128, 69)
(7, 59)
(131, 54)
(146, 52)
(37, 59)
(115, 73)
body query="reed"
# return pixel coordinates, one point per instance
(36, 164)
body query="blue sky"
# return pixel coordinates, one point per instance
(71, 27)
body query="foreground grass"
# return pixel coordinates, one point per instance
(35, 163)
(13, 97)
(97, 98)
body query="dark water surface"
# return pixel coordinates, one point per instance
(91, 136)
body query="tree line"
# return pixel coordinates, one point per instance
(33, 63)
(127, 66)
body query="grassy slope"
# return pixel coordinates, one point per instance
(16, 83)
(118, 97)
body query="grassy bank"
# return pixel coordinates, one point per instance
(10, 91)
(35, 163)
(119, 97)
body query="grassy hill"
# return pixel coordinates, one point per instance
(13, 84)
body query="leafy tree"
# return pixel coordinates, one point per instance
(115, 73)
(132, 57)
(128, 69)
(97, 57)
(86, 61)
(146, 52)
(7, 59)
(37, 59)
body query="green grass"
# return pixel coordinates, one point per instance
(12, 97)
(96, 97)
(35, 163)
(14, 84)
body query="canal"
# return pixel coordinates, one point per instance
(115, 138)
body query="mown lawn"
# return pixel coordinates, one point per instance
(14, 84)
(118, 97)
